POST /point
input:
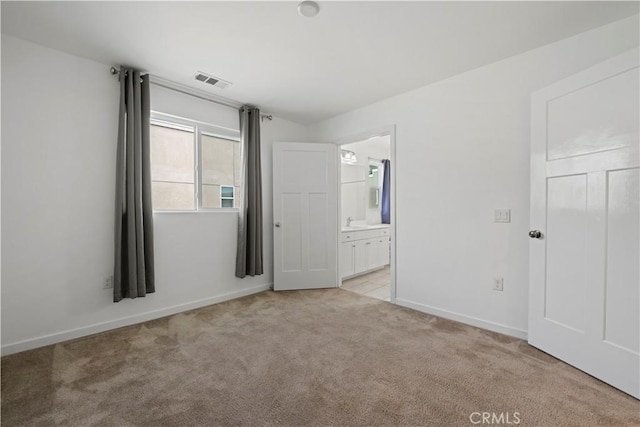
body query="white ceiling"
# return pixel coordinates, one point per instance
(305, 69)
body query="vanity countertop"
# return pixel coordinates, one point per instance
(364, 227)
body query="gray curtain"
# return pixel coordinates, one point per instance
(385, 210)
(134, 270)
(249, 249)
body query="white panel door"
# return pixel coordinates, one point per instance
(305, 213)
(584, 251)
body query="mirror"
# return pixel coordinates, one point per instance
(354, 192)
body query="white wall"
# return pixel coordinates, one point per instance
(462, 150)
(59, 129)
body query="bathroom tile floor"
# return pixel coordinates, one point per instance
(376, 284)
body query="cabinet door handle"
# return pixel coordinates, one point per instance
(368, 243)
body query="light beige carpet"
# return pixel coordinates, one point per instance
(322, 358)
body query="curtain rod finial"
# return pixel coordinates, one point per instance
(114, 70)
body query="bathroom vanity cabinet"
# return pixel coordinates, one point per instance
(363, 250)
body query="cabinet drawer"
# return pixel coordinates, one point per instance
(358, 235)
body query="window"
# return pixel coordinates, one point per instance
(226, 196)
(194, 166)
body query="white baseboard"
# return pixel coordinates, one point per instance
(463, 318)
(125, 321)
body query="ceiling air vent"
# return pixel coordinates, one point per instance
(213, 81)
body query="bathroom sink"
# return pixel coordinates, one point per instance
(347, 229)
(358, 224)
(352, 228)
(361, 226)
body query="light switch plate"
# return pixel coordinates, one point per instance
(502, 215)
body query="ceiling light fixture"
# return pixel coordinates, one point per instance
(308, 9)
(348, 157)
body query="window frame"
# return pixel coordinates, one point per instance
(180, 123)
(232, 198)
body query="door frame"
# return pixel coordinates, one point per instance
(388, 130)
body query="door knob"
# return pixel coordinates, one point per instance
(277, 224)
(535, 234)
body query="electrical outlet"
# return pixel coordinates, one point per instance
(498, 284)
(108, 282)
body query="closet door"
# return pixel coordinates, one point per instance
(584, 251)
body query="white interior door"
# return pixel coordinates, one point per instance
(584, 252)
(305, 213)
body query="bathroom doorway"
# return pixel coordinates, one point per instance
(367, 215)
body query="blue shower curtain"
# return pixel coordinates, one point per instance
(386, 192)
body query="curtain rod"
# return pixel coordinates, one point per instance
(178, 87)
